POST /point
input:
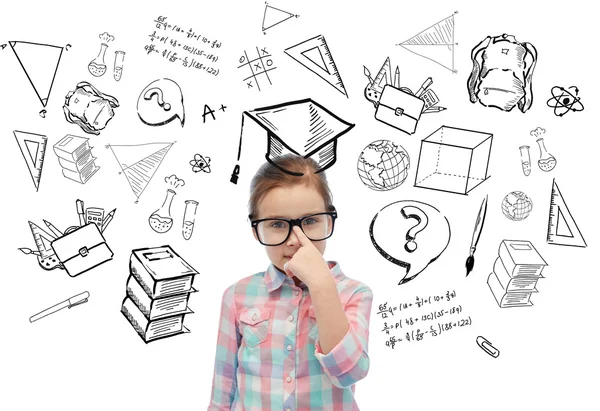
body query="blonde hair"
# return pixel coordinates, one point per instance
(271, 176)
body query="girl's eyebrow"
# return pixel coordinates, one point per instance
(289, 218)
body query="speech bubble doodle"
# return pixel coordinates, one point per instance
(160, 103)
(411, 246)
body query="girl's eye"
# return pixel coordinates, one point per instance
(311, 220)
(277, 224)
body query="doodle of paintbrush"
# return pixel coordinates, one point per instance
(476, 234)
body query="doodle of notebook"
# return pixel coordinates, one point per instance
(82, 249)
(399, 109)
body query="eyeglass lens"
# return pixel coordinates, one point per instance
(317, 227)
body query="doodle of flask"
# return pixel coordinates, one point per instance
(97, 67)
(160, 220)
(547, 162)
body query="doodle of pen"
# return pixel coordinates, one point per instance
(476, 234)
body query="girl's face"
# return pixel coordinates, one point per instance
(290, 202)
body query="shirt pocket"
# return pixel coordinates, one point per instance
(313, 329)
(254, 324)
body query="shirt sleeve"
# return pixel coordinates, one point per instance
(348, 361)
(224, 384)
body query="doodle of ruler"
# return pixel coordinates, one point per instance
(40, 64)
(140, 162)
(314, 54)
(435, 43)
(33, 149)
(562, 228)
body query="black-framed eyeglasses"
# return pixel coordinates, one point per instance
(276, 231)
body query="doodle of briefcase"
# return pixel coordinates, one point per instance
(82, 249)
(399, 109)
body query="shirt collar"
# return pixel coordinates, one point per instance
(275, 278)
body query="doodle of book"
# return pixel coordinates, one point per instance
(75, 157)
(161, 272)
(158, 307)
(521, 258)
(151, 330)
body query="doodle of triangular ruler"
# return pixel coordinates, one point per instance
(314, 54)
(33, 149)
(40, 64)
(140, 162)
(435, 43)
(42, 240)
(562, 228)
(274, 16)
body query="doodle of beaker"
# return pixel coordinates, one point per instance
(97, 67)
(525, 160)
(189, 217)
(547, 162)
(160, 220)
(118, 70)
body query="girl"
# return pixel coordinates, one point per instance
(294, 337)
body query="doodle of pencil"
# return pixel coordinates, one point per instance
(435, 109)
(476, 234)
(107, 220)
(54, 230)
(81, 212)
(424, 86)
(397, 78)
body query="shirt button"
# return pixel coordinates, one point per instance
(288, 379)
(289, 347)
(253, 317)
(291, 318)
(296, 292)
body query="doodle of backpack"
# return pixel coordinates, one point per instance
(502, 72)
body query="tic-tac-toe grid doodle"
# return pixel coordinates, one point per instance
(259, 67)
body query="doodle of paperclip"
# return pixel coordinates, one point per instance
(487, 347)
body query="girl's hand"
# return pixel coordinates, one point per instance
(307, 263)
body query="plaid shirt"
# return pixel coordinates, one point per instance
(268, 355)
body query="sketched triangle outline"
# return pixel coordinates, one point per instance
(290, 15)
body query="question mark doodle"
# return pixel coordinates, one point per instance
(67, 47)
(155, 91)
(422, 221)
(43, 113)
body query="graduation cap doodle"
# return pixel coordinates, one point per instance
(302, 127)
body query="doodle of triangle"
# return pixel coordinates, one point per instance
(33, 148)
(435, 43)
(316, 57)
(40, 64)
(562, 228)
(140, 162)
(274, 16)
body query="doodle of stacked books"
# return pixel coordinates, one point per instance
(158, 291)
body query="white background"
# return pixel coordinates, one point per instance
(90, 358)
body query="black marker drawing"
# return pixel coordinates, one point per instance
(158, 292)
(118, 66)
(547, 162)
(33, 150)
(161, 220)
(516, 206)
(470, 263)
(302, 127)
(97, 67)
(46, 256)
(40, 64)
(502, 73)
(563, 100)
(161, 102)
(515, 274)
(562, 228)
(260, 66)
(200, 163)
(314, 54)
(274, 16)
(525, 160)
(74, 301)
(427, 236)
(435, 43)
(454, 160)
(89, 108)
(76, 159)
(398, 106)
(487, 346)
(189, 218)
(3, 46)
(383, 165)
(139, 163)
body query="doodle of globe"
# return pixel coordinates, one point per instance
(516, 206)
(383, 165)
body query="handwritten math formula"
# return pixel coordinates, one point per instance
(188, 47)
(434, 315)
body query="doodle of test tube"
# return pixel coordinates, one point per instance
(118, 68)
(189, 217)
(525, 160)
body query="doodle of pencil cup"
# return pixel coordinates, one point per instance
(189, 217)
(525, 160)
(118, 69)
